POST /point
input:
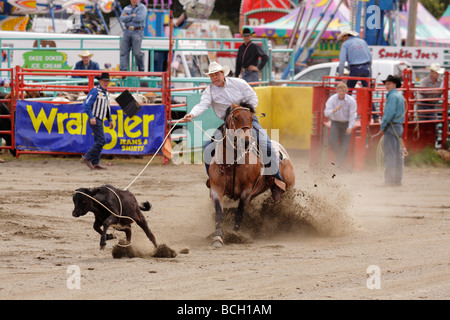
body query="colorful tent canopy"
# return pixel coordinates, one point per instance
(429, 32)
(445, 19)
(282, 28)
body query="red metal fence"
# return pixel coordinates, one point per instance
(418, 132)
(21, 88)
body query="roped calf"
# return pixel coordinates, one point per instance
(106, 199)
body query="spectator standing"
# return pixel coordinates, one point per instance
(356, 53)
(247, 58)
(341, 110)
(133, 17)
(431, 81)
(392, 127)
(86, 63)
(97, 108)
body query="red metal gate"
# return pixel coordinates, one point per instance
(366, 135)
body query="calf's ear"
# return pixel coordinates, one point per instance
(94, 191)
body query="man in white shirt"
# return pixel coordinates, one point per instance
(341, 110)
(220, 95)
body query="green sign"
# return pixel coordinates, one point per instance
(40, 59)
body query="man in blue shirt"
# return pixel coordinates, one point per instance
(392, 127)
(86, 63)
(133, 17)
(356, 53)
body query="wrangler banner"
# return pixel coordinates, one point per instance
(65, 128)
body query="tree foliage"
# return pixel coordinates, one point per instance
(435, 7)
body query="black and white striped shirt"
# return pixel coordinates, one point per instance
(97, 104)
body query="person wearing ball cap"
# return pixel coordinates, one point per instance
(220, 95)
(392, 127)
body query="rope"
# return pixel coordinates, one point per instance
(380, 154)
(112, 212)
(148, 163)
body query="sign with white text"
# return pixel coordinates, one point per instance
(417, 56)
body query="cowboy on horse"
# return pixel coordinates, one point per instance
(220, 95)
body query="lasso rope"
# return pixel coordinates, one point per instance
(148, 163)
(120, 216)
(380, 153)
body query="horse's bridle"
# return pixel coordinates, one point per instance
(250, 127)
(232, 119)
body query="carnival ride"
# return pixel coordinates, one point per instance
(24, 8)
(316, 24)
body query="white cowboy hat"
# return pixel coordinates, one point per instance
(215, 67)
(85, 53)
(436, 67)
(347, 32)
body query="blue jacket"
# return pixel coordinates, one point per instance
(394, 109)
(80, 66)
(141, 14)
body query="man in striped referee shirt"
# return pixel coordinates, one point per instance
(98, 108)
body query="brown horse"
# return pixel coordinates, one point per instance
(235, 170)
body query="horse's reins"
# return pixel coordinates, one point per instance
(250, 127)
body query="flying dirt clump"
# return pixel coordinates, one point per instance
(121, 250)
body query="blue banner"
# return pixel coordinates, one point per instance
(65, 128)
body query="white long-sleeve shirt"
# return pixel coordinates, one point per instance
(346, 113)
(220, 98)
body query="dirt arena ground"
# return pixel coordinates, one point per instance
(338, 236)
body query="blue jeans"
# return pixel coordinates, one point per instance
(131, 39)
(393, 160)
(269, 157)
(93, 154)
(362, 71)
(250, 76)
(365, 71)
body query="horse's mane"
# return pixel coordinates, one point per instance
(243, 105)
